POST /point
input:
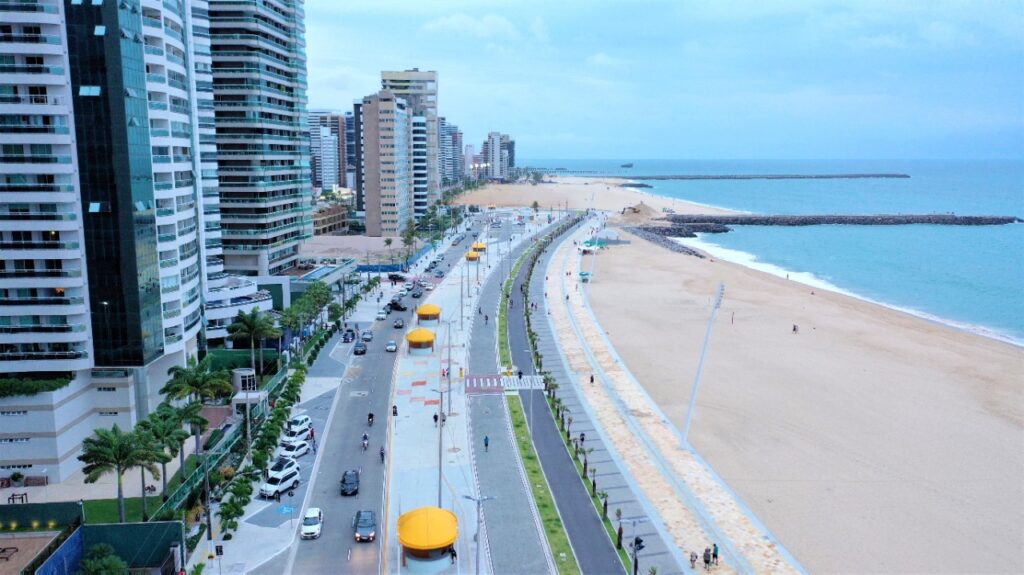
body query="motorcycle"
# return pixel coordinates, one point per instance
(366, 441)
(369, 420)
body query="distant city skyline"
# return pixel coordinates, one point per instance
(696, 80)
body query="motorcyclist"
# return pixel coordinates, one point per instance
(369, 418)
(366, 440)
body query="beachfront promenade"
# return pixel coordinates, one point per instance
(693, 508)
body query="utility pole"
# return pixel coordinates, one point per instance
(479, 523)
(700, 364)
(440, 443)
(449, 367)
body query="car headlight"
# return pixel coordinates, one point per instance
(373, 533)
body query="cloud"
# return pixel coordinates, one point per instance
(489, 26)
(539, 30)
(602, 60)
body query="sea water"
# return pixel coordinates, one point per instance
(967, 276)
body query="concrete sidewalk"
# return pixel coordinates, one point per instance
(511, 536)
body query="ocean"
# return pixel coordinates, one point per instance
(968, 277)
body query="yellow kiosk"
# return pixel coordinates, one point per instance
(427, 536)
(421, 341)
(428, 315)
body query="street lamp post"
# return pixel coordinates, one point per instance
(440, 443)
(700, 364)
(479, 523)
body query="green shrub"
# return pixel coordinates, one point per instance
(12, 386)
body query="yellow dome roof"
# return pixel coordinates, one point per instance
(420, 335)
(479, 246)
(428, 528)
(471, 256)
(428, 309)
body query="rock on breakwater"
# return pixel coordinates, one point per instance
(663, 241)
(772, 177)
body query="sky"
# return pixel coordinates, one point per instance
(694, 80)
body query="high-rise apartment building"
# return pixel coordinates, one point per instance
(327, 148)
(458, 160)
(499, 156)
(419, 90)
(259, 80)
(386, 130)
(469, 161)
(450, 151)
(46, 400)
(351, 150)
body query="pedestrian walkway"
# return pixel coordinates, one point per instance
(695, 508)
(413, 462)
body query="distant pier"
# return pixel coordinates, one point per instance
(688, 226)
(773, 177)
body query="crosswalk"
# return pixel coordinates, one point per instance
(495, 383)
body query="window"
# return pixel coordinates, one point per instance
(106, 389)
(13, 413)
(108, 413)
(88, 90)
(99, 30)
(13, 440)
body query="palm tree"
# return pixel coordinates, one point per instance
(164, 425)
(150, 452)
(409, 237)
(387, 244)
(191, 414)
(290, 320)
(112, 450)
(197, 382)
(253, 326)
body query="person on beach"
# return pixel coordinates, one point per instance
(796, 328)
(487, 443)
(707, 559)
(693, 559)
(714, 553)
(485, 320)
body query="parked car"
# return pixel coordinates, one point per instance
(382, 315)
(295, 450)
(365, 525)
(350, 482)
(359, 348)
(367, 335)
(312, 523)
(417, 293)
(429, 287)
(348, 336)
(391, 345)
(439, 274)
(300, 422)
(422, 283)
(407, 286)
(396, 277)
(276, 485)
(296, 435)
(399, 323)
(397, 306)
(282, 466)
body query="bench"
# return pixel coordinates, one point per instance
(18, 498)
(7, 552)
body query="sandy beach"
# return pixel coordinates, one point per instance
(869, 441)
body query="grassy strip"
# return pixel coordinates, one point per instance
(105, 510)
(504, 352)
(553, 528)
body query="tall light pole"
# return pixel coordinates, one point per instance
(449, 372)
(700, 364)
(479, 523)
(440, 442)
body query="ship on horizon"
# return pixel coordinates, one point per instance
(627, 165)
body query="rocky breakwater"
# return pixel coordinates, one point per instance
(662, 240)
(688, 221)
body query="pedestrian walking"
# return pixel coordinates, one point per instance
(312, 433)
(707, 559)
(591, 379)
(454, 554)
(479, 310)
(435, 420)
(444, 418)
(313, 443)
(394, 411)
(714, 553)
(583, 438)
(487, 443)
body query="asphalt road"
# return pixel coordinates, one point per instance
(594, 550)
(366, 388)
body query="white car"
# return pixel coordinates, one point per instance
(302, 434)
(294, 450)
(312, 523)
(429, 287)
(291, 440)
(391, 345)
(282, 467)
(382, 315)
(407, 286)
(277, 485)
(299, 422)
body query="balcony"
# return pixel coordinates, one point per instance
(27, 7)
(157, 78)
(41, 301)
(35, 159)
(41, 355)
(167, 237)
(152, 22)
(153, 105)
(38, 216)
(38, 245)
(169, 263)
(60, 328)
(30, 69)
(29, 274)
(154, 50)
(31, 129)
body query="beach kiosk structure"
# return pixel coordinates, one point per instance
(479, 247)
(473, 257)
(421, 341)
(428, 315)
(427, 536)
